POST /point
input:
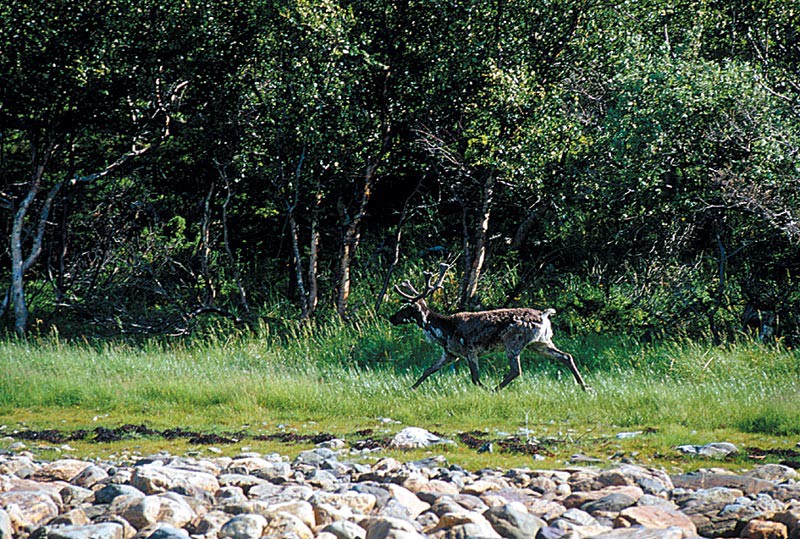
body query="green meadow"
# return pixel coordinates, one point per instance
(345, 379)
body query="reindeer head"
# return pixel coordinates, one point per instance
(416, 310)
(413, 313)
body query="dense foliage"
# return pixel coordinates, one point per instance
(634, 164)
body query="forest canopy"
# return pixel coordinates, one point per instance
(632, 164)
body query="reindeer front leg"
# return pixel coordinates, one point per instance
(514, 369)
(443, 361)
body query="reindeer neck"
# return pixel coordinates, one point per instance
(435, 326)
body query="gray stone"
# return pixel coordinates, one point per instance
(278, 472)
(414, 438)
(777, 473)
(512, 523)
(244, 527)
(344, 529)
(553, 532)
(656, 517)
(34, 507)
(105, 530)
(90, 476)
(210, 523)
(380, 493)
(614, 502)
(284, 524)
(6, 527)
(165, 531)
(60, 470)
(389, 528)
(704, 480)
(154, 479)
(712, 450)
(315, 457)
(639, 532)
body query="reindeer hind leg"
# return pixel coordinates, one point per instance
(566, 360)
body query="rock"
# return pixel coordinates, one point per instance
(581, 498)
(651, 481)
(210, 523)
(300, 508)
(466, 524)
(104, 530)
(389, 528)
(612, 503)
(31, 507)
(247, 465)
(244, 527)
(786, 491)
(6, 527)
(344, 529)
(435, 488)
(165, 531)
(161, 509)
(408, 500)
(777, 473)
(656, 517)
(359, 502)
(711, 496)
(317, 493)
(643, 533)
(386, 466)
(90, 476)
(108, 493)
(287, 525)
(546, 509)
(154, 479)
(513, 523)
(553, 532)
(712, 450)
(414, 438)
(703, 480)
(72, 495)
(76, 517)
(60, 470)
(791, 519)
(628, 435)
(315, 457)
(762, 529)
(482, 486)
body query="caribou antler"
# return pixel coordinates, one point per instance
(433, 283)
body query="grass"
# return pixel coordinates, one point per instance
(342, 378)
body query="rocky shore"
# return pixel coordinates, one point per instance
(322, 494)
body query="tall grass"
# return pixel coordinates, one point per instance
(348, 374)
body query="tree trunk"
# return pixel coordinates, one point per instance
(19, 263)
(294, 231)
(474, 264)
(205, 248)
(313, 255)
(351, 237)
(226, 239)
(524, 228)
(405, 215)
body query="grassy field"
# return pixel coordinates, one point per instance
(343, 379)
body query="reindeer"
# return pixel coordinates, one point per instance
(467, 335)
